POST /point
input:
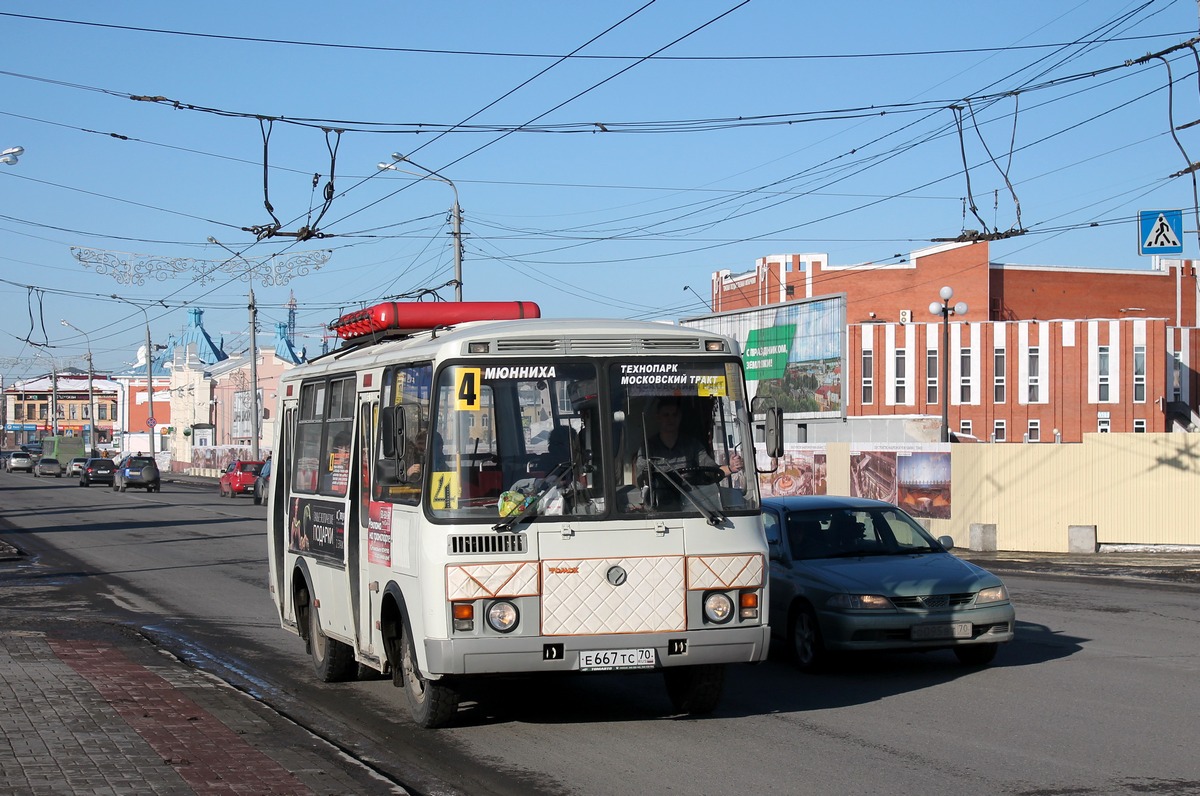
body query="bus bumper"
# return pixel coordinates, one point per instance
(492, 655)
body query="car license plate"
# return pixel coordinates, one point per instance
(956, 630)
(597, 660)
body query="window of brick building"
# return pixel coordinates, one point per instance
(998, 378)
(1139, 375)
(868, 376)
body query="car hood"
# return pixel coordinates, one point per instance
(918, 574)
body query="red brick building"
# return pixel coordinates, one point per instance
(1042, 349)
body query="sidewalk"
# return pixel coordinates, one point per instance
(89, 707)
(1177, 568)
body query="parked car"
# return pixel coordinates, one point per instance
(850, 574)
(137, 471)
(75, 466)
(97, 471)
(48, 466)
(238, 478)
(19, 460)
(262, 483)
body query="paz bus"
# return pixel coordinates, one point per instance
(467, 489)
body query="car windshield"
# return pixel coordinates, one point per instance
(852, 533)
(251, 467)
(49, 461)
(139, 461)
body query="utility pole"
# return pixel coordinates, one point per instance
(254, 412)
(458, 249)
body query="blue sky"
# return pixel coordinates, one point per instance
(681, 137)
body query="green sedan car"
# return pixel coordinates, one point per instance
(851, 575)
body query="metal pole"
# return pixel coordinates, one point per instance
(254, 412)
(91, 401)
(945, 371)
(149, 388)
(53, 397)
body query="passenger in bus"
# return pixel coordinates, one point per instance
(416, 457)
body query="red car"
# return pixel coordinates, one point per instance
(239, 477)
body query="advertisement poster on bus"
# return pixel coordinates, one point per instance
(792, 352)
(317, 528)
(916, 478)
(379, 533)
(801, 471)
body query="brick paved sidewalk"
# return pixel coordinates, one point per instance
(87, 708)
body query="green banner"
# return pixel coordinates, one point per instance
(766, 355)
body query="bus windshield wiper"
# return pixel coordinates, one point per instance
(672, 477)
(528, 509)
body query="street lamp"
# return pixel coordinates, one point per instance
(945, 309)
(149, 373)
(457, 213)
(10, 156)
(91, 391)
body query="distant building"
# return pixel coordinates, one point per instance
(1043, 353)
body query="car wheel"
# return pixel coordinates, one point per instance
(431, 702)
(804, 639)
(976, 654)
(695, 690)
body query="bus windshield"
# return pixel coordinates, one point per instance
(590, 440)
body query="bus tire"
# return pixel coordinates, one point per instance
(332, 660)
(695, 690)
(432, 703)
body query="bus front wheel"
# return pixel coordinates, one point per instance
(431, 702)
(332, 660)
(695, 690)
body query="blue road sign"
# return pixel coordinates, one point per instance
(1160, 232)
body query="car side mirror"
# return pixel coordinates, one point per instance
(946, 542)
(775, 552)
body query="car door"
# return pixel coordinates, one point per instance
(779, 569)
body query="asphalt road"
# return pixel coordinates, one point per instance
(1096, 696)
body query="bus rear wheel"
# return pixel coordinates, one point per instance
(431, 702)
(332, 660)
(695, 690)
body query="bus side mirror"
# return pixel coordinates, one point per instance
(387, 432)
(773, 432)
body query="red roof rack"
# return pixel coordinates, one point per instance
(408, 317)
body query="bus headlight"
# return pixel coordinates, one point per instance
(503, 616)
(718, 608)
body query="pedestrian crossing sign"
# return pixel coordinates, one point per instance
(1160, 232)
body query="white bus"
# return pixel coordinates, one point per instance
(463, 490)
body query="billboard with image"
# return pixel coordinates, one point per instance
(792, 352)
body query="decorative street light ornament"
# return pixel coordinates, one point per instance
(137, 269)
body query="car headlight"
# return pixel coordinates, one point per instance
(502, 616)
(718, 608)
(992, 594)
(868, 602)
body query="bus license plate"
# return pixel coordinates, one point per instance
(956, 630)
(598, 660)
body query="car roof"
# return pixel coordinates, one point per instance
(815, 502)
